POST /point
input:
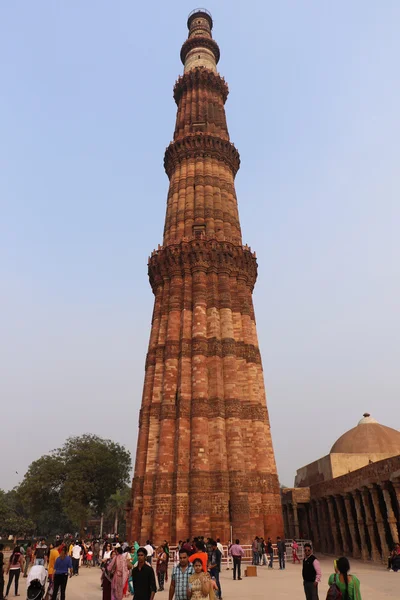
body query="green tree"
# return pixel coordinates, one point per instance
(13, 518)
(75, 481)
(116, 506)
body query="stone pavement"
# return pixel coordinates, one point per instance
(376, 584)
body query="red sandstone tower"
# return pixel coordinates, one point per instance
(204, 458)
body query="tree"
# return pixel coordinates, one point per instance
(13, 519)
(75, 480)
(116, 505)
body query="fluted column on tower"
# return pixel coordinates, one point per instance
(204, 407)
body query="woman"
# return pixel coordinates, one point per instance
(53, 555)
(349, 585)
(167, 552)
(295, 548)
(106, 578)
(14, 568)
(133, 561)
(199, 583)
(119, 568)
(161, 567)
(106, 553)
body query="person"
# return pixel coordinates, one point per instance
(180, 577)
(1, 571)
(150, 551)
(228, 556)
(40, 553)
(119, 568)
(62, 569)
(260, 550)
(53, 555)
(106, 553)
(167, 552)
(106, 577)
(15, 565)
(254, 549)
(263, 562)
(131, 562)
(76, 555)
(295, 548)
(28, 558)
(281, 552)
(188, 547)
(220, 546)
(394, 558)
(89, 557)
(349, 585)
(96, 553)
(270, 552)
(311, 573)
(215, 565)
(199, 553)
(143, 579)
(161, 566)
(237, 553)
(199, 583)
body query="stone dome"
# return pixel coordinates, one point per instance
(369, 437)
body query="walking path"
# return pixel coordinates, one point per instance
(376, 583)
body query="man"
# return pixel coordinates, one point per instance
(180, 577)
(200, 553)
(143, 578)
(254, 549)
(311, 573)
(40, 553)
(215, 565)
(281, 552)
(76, 555)
(150, 551)
(270, 552)
(237, 553)
(62, 568)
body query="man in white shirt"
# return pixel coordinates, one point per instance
(76, 555)
(150, 551)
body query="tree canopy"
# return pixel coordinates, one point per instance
(13, 518)
(65, 488)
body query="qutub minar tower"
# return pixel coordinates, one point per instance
(205, 460)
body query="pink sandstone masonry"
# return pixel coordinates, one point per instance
(204, 409)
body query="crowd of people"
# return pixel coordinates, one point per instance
(195, 574)
(141, 571)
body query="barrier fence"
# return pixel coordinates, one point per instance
(248, 553)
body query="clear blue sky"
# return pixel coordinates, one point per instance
(86, 111)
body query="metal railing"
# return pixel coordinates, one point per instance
(248, 553)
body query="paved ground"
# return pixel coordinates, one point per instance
(376, 584)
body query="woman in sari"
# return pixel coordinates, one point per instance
(132, 563)
(118, 566)
(106, 578)
(161, 567)
(349, 585)
(200, 587)
(166, 550)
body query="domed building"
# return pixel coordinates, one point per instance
(348, 502)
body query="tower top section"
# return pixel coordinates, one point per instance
(200, 50)
(200, 13)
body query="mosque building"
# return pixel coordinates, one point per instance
(348, 502)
